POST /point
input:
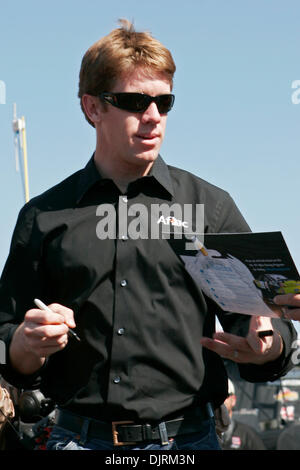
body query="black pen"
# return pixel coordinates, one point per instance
(42, 306)
(264, 333)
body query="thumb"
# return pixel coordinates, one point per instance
(257, 324)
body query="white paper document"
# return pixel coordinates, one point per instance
(228, 282)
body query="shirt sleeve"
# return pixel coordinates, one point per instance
(19, 285)
(228, 218)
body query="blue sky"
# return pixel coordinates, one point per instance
(234, 122)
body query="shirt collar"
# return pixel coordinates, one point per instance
(160, 172)
(90, 175)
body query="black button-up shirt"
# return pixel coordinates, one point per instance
(138, 312)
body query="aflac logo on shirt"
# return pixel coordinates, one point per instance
(172, 221)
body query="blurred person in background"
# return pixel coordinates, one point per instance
(239, 436)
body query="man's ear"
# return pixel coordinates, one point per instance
(92, 108)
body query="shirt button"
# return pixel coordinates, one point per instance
(123, 283)
(121, 331)
(124, 199)
(117, 380)
(124, 238)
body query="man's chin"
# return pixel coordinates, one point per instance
(146, 157)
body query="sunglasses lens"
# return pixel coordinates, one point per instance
(165, 103)
(134, 102)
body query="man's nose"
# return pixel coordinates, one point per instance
(151, 114)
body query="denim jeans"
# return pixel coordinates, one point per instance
(206, 439)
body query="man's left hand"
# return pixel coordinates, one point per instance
(289, 300)
(250, 349)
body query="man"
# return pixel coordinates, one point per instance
(239, 436)
(146, 353)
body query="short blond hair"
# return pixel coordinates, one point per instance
(119, 53)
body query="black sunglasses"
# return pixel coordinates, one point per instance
(138, 102)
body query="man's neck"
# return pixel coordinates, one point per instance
(123, 174)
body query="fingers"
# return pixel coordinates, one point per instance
(233, 341)
(44, 317)
(56, 314)
(66, 312)
(251, 349)
(46, 331)
(292, 300)
(288, 299)
(44, 346)
(228, 346)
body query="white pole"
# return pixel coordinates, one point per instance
(17, 158)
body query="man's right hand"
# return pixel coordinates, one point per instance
(41, 334)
